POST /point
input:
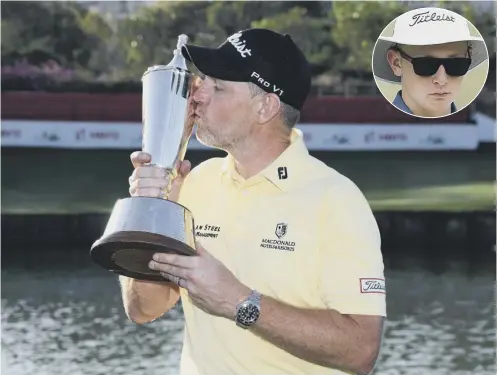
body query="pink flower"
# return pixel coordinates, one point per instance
(49, 69)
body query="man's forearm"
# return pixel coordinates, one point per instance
(324, 337)
(146, 300)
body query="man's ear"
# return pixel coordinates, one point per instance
(267, 107)
(395, 62)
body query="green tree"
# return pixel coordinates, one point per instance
(227, 17)
(334, 35)
(231, 16)
(356, 27)
(149, 37)
(309, 33)
(63, 31)
(22, 32)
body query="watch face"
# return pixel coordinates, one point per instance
(248, 313)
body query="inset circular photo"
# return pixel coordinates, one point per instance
(430, 62)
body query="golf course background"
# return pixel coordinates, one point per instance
(58, 181)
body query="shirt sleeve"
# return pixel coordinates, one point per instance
(351, 266)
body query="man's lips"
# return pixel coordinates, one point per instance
(197, 117)
(440, 94)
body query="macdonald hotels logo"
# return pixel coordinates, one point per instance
(280, 231)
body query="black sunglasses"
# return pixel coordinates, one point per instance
(428, 66)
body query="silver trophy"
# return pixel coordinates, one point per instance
(138, 227)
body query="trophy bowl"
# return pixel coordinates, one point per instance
(138, 227)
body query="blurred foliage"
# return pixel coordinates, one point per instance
(356, 27)
(310, 33)
(150, 36)
(39, 31)
(335, 36)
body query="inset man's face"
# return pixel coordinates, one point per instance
(427, 96)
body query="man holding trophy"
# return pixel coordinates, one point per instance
(287, 274)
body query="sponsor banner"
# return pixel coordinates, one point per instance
(487, 128)
(390, 137)
(56, 134)
(318, 137)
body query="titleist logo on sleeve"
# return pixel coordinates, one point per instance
(429, 17)
(373, 286)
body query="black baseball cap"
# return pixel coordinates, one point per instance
(266, 58)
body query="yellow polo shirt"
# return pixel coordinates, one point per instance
(299, 232)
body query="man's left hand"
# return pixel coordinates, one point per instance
(211, 286)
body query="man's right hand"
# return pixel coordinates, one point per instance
(149, 180)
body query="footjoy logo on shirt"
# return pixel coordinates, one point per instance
(373, 286)
(239, 45)
(282, 173)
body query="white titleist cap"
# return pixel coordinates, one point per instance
(426, 26)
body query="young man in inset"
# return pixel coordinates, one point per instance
(429, 54)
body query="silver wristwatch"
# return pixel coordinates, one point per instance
(248, 311)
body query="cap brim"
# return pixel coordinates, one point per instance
(383, 71)
(212, 63)
(381, 68)
(413, 41)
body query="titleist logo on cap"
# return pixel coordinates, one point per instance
(239, 45)
(429, 17)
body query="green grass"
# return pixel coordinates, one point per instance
(468, 197)
(36, 181)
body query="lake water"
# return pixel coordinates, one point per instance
(63, 315)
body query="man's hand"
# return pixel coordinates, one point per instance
(211, 286)
(150, 181)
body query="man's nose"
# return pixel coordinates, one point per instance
(440, 76)
(200, 95)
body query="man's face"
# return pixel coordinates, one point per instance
(430, 96)
(224, 113)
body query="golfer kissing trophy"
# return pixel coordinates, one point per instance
(138, 227)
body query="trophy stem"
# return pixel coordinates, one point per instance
(171, 174)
